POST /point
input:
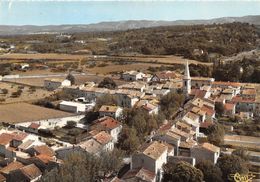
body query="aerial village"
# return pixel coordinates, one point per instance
(29, 149)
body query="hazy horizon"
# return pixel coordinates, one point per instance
(48, 12)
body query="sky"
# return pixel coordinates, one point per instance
(57, 12)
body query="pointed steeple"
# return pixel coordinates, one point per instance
(187, 80)
(187, 71)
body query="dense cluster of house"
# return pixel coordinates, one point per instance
(28, 156)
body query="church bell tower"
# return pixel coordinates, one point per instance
(187, 80)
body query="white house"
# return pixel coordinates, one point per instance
(110, 125)
(53, 84)
(151, 108)
(74, 107)
(132, 75)
(152, 158)
(206, 151)
(106, 140)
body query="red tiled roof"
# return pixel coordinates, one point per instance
(11, 167)
(31, 171)
(44, 149)
(34, 125)
(103, 137)
(143, 174)
(2, 178)
(166, 75)
(6, 138)
(44, 158)
(106, 122)
(20, 136)
(233, 84)
(237, 99)
(198, 93)
(208, 110)
(229, 106)
(210, 147)
(206, 124)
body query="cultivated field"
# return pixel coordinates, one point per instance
(71, 57)
(24, 112)
(27, 94)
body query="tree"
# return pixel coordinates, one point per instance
(216, 134)
(77, 167)
(128, 140)
(181, 172)
(242, 153)
(141, 121)
(231, 164)
(80, 166)
(107, 83)
(105, 100)
(112, 161)
(219, 109)
(211, 173)
(171, 102)
(71, 124)
(71, 78)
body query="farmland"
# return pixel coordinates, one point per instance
(27, 112)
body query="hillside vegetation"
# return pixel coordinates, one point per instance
(188, 41)
(194, 41)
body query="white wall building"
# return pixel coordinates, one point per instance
(53, 84)
(74, 107)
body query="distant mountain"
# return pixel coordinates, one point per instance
(120, 25)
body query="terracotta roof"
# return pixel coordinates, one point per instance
(6, 138)
(211, 147)
(20, 136)
(11, 167)
(173, 135)
(44, 158)
(192, 116)
(237, 99)
(186, 145)
(149, 107)
(165, 127)
(106, 108)
(198, 93)
(166, 75)
(103, 137)
(2, 178)
(180, 132)
(106, 123)
(142, 174)
(155, 150)
(206, 124)
(249, 92)
(181, 126)
(91, 146)
(229, 106)
(34, 125)
(44, 149)
(31, 171)
(208, 110)
(233, 84)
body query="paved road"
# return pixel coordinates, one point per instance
(46, 76)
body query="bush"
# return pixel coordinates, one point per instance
(5, 91)
(71, 124)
